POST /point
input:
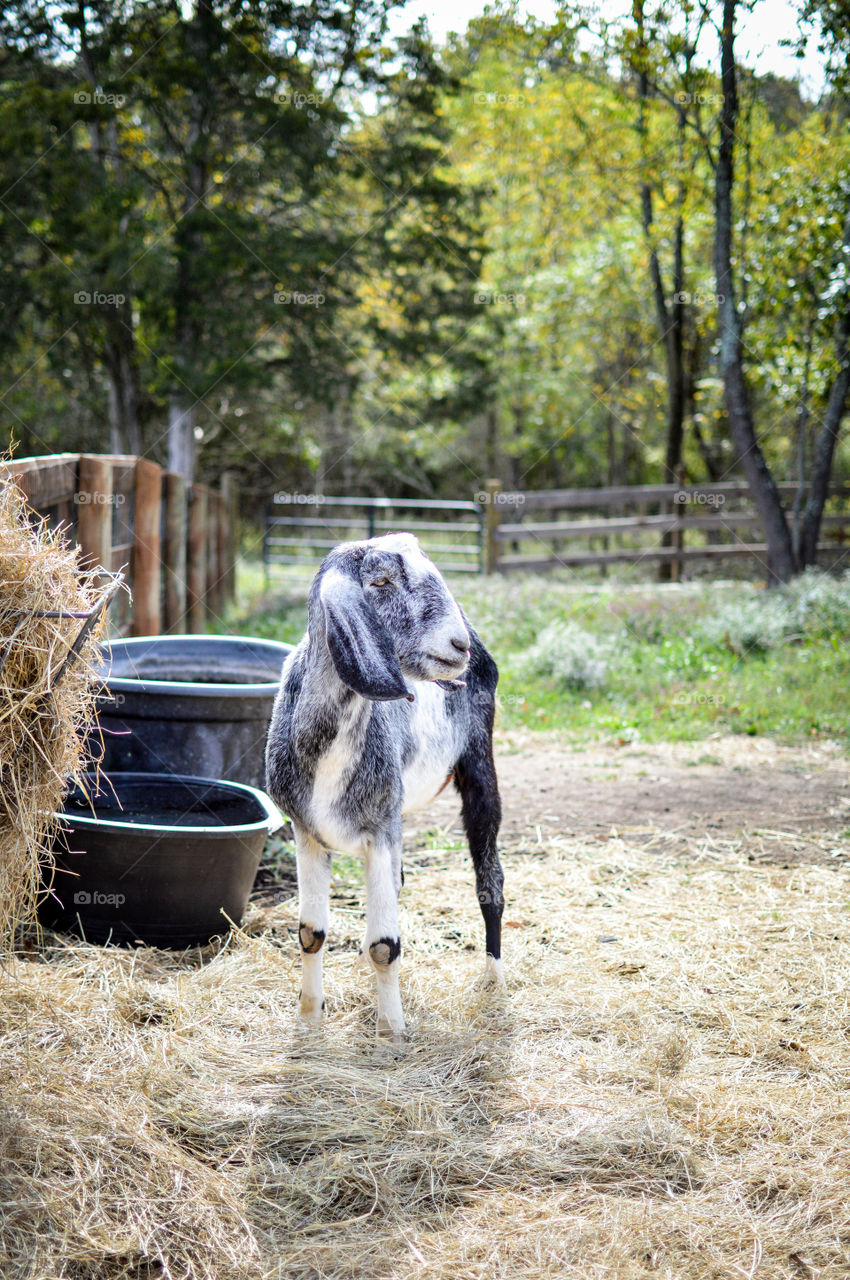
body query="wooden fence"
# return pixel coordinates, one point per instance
(669, 525)
(175, 541)
(653, 525)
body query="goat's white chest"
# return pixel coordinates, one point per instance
(427, 770)
(422, 775)
(330, 782)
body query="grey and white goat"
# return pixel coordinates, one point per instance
(372, 720)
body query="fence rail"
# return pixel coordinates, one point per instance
(671, 524)
(176, 541)
(295, 538)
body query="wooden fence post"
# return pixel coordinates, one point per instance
(196, 563)
(147, 564)
(492, 517)
(174, 551)
(94, 511)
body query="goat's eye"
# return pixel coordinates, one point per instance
(380, 582)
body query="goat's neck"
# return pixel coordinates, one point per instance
(349, 711)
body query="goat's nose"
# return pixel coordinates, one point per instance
(461, 645)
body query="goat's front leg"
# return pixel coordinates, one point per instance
(314, 883)
(382, 943)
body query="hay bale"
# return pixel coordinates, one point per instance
(44, 703)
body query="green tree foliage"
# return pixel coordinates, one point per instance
(208, 204)
(330, 259)
(600, 147)
(788, 551)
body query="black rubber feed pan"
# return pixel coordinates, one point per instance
(156, 859)
(196, 705)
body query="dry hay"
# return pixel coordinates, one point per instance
(42, 706)
(664, 1092)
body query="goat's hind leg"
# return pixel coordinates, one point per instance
(475, 779)
(314, 882)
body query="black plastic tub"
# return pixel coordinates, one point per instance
(167, 860)
(196, 705)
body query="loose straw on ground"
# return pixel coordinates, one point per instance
(663, 1093)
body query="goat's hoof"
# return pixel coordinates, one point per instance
(492, 979)
(311, 1010)
(391, 1028)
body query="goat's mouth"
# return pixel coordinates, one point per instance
(453, 666)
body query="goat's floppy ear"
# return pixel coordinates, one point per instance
(359, 644)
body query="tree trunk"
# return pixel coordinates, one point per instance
(828, 434)
(491, 441)
(182, 410)
(514, 460)
(675, 363)
(181, 436)
(119, 343)
(668, 570)
(670, 318)
(780, 554)
(801, 447)
(123, 381)
(336, 465)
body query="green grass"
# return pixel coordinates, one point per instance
(673, 662)
(656, 694)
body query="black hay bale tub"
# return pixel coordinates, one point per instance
(197, 705)
(166, 860)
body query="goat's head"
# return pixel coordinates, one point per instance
(386, 613)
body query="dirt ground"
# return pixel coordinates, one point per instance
(780, 804)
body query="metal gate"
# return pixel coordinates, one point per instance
(301, 528)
